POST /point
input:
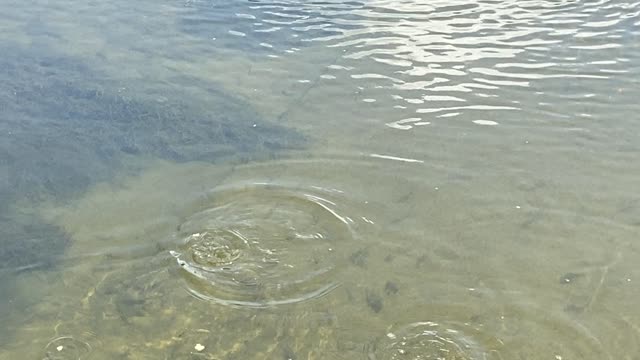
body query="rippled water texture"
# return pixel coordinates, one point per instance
(316, 180)
(484, 61)
(262, 245)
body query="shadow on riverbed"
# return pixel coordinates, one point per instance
(64, 126)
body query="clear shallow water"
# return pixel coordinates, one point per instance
(325, 180)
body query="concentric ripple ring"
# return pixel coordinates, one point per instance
(66, 348)
(488, 332)
(429, 340)
(261, 245)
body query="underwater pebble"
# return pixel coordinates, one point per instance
(359, 258)
(570, 277)
(59, 348)
(391, 288)
(199, 347)
(374, 301)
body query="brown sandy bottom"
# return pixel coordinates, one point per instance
(321, 271)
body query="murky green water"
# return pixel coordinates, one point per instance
(319, 180)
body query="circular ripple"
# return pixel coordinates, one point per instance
(431, 341)
(214, 248)
(495, 332)
(66, 348)
(262, 245)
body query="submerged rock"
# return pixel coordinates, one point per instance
(374, 300)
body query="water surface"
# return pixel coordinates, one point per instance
(319, 180)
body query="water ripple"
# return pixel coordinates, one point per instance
(455, 48)
(431, 340)
(456, 332)
(66, 348)
(262, 245)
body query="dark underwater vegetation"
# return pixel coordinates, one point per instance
(64, 126)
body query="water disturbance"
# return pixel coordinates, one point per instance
(262, 244)
(319, 180)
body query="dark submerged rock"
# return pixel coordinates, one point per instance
(391, 288)
(359, 258)
(374, 301)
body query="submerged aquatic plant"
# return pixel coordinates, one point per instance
(65, 126)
